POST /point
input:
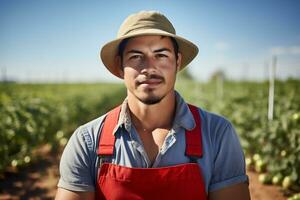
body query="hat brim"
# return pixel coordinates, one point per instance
(109, 51)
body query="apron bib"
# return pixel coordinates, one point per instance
(183, 181)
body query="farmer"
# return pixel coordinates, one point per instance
(154, 145)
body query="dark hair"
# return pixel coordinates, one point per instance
(124, 42)
(121, 48)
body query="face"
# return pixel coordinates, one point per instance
(149, 68)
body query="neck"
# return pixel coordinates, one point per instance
(150, 117)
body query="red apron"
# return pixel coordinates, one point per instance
(183, 181)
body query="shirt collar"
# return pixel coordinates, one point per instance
(183, 116)
(124, 117)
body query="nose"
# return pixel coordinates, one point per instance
(149, 65)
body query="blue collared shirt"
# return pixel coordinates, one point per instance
(222, 164)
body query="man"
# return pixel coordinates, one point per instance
(153, 146)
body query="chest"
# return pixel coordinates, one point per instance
(130, 151)
(153, 142)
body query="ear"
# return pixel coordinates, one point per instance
(178, 61)
(118, 63)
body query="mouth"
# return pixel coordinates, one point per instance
(151, 81)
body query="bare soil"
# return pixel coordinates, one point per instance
(39, 181)
(259, 191)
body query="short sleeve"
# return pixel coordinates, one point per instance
(229, 161)
(76, 164)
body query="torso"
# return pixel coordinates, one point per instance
(167, 183)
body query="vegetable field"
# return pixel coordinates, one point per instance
(34, 115)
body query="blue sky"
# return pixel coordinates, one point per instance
(60, 40)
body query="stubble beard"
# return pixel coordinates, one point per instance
(151, 100)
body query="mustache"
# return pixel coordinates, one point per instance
(150, 77)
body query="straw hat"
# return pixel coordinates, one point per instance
(146, 23)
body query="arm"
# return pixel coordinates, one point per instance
(63, 194)
(77, 168)
(238, 191)
(229, 179)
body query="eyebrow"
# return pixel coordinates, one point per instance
(155, 51)
(162, 49)
(133, 51)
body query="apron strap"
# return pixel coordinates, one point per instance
(107, 139)
(193, 137)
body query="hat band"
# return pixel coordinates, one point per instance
(149, 25)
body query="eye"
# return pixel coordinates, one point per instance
(161, 55)
(136, 56)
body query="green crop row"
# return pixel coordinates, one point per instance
(33, 115)
(272, 147)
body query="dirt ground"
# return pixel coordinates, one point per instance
(39, 182)
(259, 191)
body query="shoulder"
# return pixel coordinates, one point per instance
(83, 143)
(89, 131)
(218, 130)
(215, 125)
(213, 118)
(78, 161)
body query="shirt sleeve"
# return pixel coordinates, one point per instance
(76, 164)
(229, 161)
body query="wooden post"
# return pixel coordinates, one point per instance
(272, 73)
